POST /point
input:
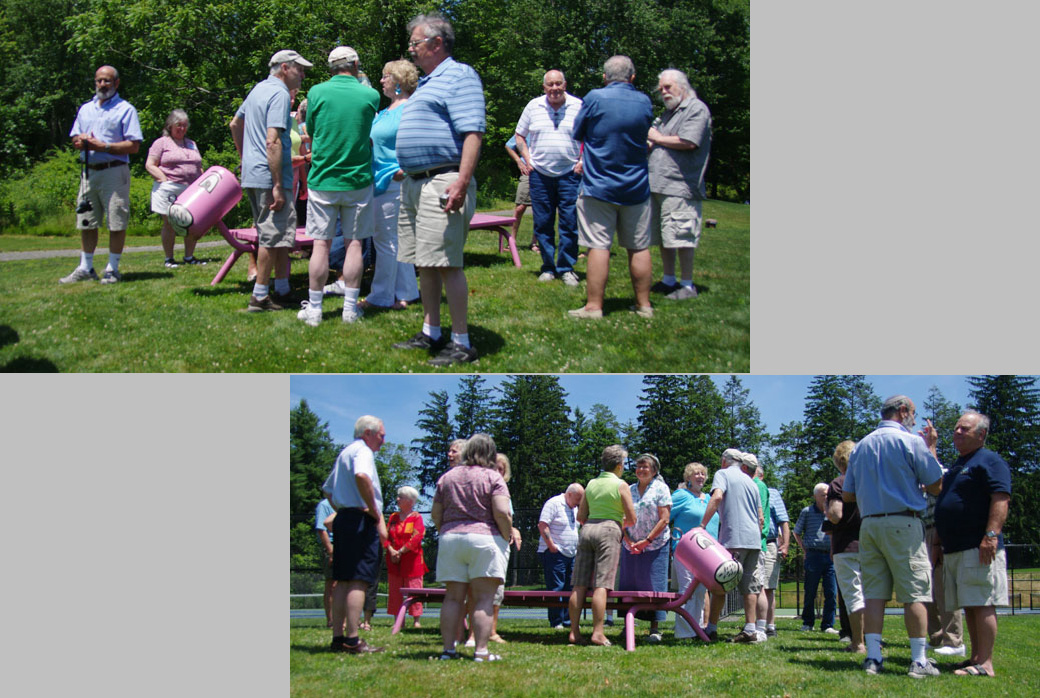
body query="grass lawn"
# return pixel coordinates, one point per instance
(538, 662)
(162, 320)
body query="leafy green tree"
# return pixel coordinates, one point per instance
(312, 453)
(472, 407)
(394, 463)
(943, 415)
(532, 426)
(432, 447)
(1013, 405)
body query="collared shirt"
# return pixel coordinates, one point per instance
(114, 121)
(554, 152)
(656, 495)
(688, 511)
(267, 106)
(887, 469)
(321, 512)
(675, 172)
(777, 514)
(810, 527)
(563, 525)
(447, 104)
(613, 123)
(962, 509)
(738, 512)
(355, 459)
(340, 112)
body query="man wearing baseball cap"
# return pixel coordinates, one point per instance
(260, 130)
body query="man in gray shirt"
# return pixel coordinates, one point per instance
(680, 141)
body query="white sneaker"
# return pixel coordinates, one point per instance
(111, 276)
(920, 671)
(761, 635)
(832, 631)
(958, 651)
(547, 276)
(79, 275)
(570, 278)
(683, 293)
(334, 289)
(309, 314)
(353, 315)
(470, 643)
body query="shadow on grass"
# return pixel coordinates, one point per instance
(483, 259)
(27, 364)
(8, 335)
(844, 665)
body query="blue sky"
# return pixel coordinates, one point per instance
(397, 399)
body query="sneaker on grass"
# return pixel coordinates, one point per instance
(872, 666)
(79, 275)
(422, 341)
(309, 314)
(683, 293)
(919, 670)
(454, 353)
(547, 276)
(352, 315)
(570, 278)
(257, 305)
(111, 276)
(170, 263)
(194, 261)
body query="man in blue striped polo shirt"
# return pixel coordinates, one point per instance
(438, 145)
(816, 543)
(551, 157)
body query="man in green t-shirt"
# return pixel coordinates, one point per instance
(339, 121)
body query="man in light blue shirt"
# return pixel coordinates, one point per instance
(107, 132)
(888, 469)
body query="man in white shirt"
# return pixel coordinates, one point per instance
(557, 545)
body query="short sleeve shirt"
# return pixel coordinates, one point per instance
(563, 525)
(962, 510)
(267, 106)
(738, 513)
(182, 164)
(553, 149)
(321, 512)
(688, 512)
(355, 459)
(675, 172)
(340, 112)
(112, 122)
(887, 469)
(656, 495)
(810, 527)
(465, 494)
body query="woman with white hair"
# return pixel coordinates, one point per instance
(405, 566)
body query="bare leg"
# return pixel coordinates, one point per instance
(116, 240)
(596, 270)
(718, 602)
(430, 292)
(88, 240)
(318, 266)
(451, 613)
(265, 258)
(327, 601)
(574, 610)
(254, 270)
(599, 612)
(750, 608)
(495, 637)
(168, 236)
(281, 263)
(189, 243)
(668, 261)
(640, 268)
(484, 593)
(915, 618)
(874, 616)
(856, 621)
(353, 265)
(457, 291)
(686, 262)
(355, 606)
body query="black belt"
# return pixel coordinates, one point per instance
(426, 174)
(914, 514)
(105, 166)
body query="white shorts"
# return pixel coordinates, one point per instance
(850, 580)
(462, 557)
(969, 583)
(164, 194)
(353, 208)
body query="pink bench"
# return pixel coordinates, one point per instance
(503, 225)
(623, 601)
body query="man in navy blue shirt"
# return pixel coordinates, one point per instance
(816, 543)
(969, 516)
(615, 188)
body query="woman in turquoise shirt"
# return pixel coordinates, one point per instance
(688, 506)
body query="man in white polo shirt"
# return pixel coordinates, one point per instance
(550, 157)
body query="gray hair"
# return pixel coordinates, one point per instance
(652, 460)
(619, 69)
(575, 488)
(409, 492)
(176, 116)
(480, 450)
(115, 72)
(366, 423)
(982, 425)
(434, 24)
(733, 455)
(680, 79)
(458, 443)
(820, 487)
(893, 404)
(613, 456)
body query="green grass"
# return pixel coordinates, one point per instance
(173, 320)
(538, 662)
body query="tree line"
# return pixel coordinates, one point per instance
(681, 419)
(205, 55)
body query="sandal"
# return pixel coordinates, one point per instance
(448, 655)
(486, 657)
(973, 670)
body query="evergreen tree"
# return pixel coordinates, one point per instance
(943, 415)
(312, 453)
(395, 468)
(591, 435)
(532, 426)
(1012, 404)
(472, 407)
(432, 447)
(741, 422)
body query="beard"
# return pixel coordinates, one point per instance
(104, 93)
(910, 422)
(671, 101)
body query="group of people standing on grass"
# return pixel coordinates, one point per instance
(404, 176)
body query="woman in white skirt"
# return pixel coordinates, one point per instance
(174, 161)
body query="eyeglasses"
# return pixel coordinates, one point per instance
(413, 44)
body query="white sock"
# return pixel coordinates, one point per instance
(260, 291)
(668, 279)
(760, 625)
(749, 628)
(771, 626)
(918, 646)
(113, 261)
(688, 283)
(432, 331)
(86, 261)
(873, 645)
(281, 286)
(314, 298)
(350, 297)
(462, 339)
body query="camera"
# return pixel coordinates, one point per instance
(84, 206)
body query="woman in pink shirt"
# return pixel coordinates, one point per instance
(174, 161)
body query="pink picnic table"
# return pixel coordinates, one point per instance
(244, 240)
(627, 601)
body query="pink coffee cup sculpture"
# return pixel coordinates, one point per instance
(711, 563)
(206, 201)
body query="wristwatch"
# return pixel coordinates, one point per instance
(991, 534)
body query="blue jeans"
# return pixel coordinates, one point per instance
(818, 566)
(558, 569)
(549, 194)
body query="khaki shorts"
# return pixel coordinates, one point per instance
(675, 221)
(108, 192)
(969, 583)
(768, 569)
(353, 209)
(273, 228)
(850, 580)
(599, 548)
(426, 235)
(892, 555)
(599, 220)
(164, 194)
(462, 557)
(523, 191)
(748, 559)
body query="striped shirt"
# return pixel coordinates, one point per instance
(553, 149)
(810, 527)
(448, 104)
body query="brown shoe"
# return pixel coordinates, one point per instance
(257, 305)
(361, 647)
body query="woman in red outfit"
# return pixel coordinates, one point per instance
(404, 558)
